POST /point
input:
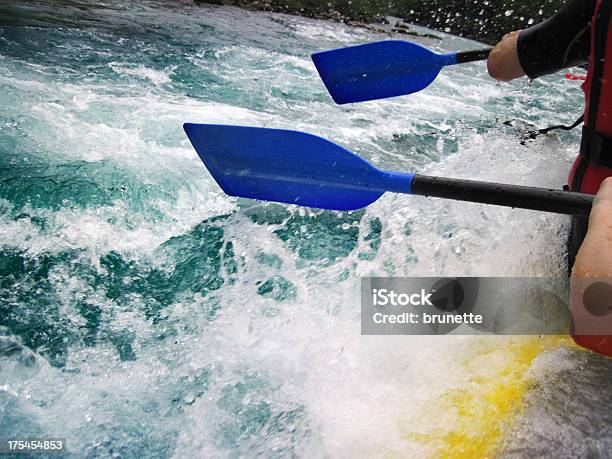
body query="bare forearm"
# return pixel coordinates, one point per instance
(591, 282)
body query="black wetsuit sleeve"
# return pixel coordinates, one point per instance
(560, 42)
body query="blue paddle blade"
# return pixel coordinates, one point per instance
(378, 70)
(287, 166)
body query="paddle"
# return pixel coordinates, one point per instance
(383, 69)
(298, 168)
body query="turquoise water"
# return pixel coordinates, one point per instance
(143, 313)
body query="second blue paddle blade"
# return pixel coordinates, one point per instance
(285, 166)
(378, 70)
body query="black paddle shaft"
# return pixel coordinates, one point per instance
(525, 197)
(471, 56)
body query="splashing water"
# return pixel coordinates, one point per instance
(144, 313)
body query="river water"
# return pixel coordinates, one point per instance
(143, 313)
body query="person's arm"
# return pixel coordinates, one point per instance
(594, 259)
(591, 280)
(560, 42)
(503, 63)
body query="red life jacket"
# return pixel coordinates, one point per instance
(594, 163)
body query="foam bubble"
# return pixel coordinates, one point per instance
(157, 77)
